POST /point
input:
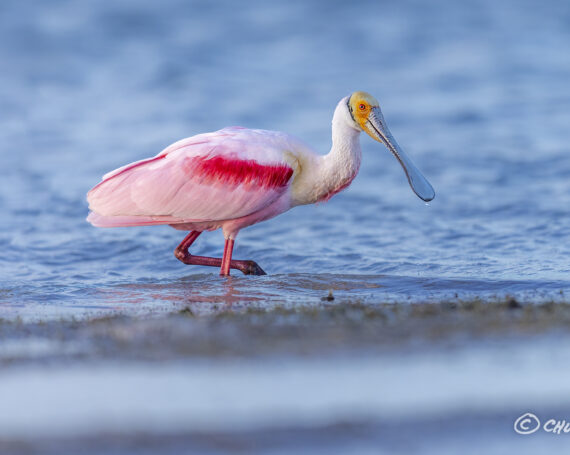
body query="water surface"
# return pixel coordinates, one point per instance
(476, 95)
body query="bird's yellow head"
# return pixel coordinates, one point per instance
(365, 112)
(361, 105)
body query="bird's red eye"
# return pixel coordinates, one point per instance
(362, 107)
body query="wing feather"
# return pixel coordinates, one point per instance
(223, 175)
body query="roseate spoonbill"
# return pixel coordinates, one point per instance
(235, 177)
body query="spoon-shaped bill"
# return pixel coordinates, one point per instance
(378, 130)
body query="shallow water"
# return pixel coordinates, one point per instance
(475, 92)
(476, 95)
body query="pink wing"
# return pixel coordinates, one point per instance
(223, 175)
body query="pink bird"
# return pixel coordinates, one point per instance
(236, 177)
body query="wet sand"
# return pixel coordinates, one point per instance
(328, 328)
(336, 377)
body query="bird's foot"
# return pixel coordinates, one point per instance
(251, 268)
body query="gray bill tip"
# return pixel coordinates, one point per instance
(422, 188)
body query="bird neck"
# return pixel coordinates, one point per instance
(324, 176)
(340, 166)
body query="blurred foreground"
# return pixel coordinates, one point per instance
(334, 377)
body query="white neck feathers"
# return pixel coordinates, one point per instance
(327, 175)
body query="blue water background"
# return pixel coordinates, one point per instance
(477, 93)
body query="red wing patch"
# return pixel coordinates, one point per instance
(234, 172)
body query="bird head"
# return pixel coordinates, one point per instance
(365, 112)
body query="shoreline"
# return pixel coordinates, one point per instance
(239, 330)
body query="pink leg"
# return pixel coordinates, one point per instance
(227, 258)
(247, 267)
